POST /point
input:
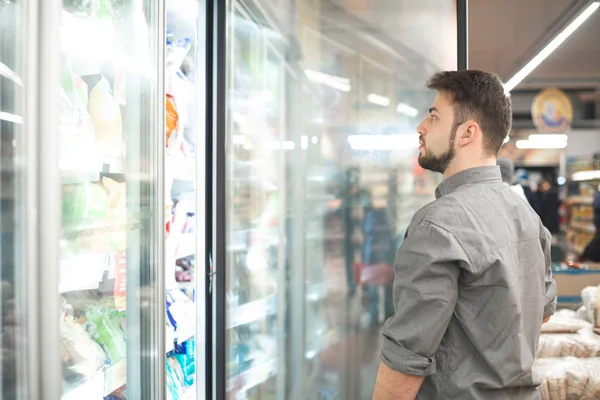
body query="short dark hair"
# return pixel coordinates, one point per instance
(478, 95)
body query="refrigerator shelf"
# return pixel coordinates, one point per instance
(101, 227)
(252, 312)
(104, 383)
(252, 377)
(70, 177)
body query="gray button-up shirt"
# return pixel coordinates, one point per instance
(472, 285)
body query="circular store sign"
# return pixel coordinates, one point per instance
(552, 111)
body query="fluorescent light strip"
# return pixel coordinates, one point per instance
(379, 100)
(545, 137)
(550, 47)
(586, 175)
(17, 119)
(383, 142)
(534, 144)
(333, 81)
(405, 109)
(10, 74)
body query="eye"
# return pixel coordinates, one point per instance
(433, 117)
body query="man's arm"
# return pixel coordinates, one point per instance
(425, 292)
(392, 385)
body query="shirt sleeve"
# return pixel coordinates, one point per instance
(427, 270)
(550, 303)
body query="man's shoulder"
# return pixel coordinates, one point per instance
(441, 212)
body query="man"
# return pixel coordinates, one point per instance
(472, 278)
(507, 170)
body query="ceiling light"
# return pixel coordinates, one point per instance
(506, 139)
(379, 100)
(535, 144)
(550, 47)
(405, 109)
(545, 137)
(333, 81)
(586, 175)
(383, 142)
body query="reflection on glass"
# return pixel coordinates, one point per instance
(105, 141)
(12, 332)
(180, 200)
(324, 98)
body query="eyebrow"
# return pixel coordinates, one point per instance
(432, 109)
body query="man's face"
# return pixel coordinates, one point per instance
(436, 135)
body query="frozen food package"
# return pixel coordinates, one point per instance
(105, 327)
(105, 114)
(81, 357)
(172, 118)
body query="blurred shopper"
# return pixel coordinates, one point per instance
(592, 250)
(472, 278)
(548, 205)
(529, 188)
(377, 250)
(507, 169)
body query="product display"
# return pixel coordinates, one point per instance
(103, 210)
(583, 344)
(580, 212)
(569, 378)
(180, 200)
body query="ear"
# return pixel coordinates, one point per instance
(468, 132)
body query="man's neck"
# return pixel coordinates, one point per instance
(458, 166)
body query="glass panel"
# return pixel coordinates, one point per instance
(180, 200)
(324, 98)
(12, 329)
(107, 159)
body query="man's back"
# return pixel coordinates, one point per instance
(497, 253)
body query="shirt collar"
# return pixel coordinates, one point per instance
(468, 176)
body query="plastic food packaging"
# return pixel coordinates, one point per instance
(568, 378)
(81, 356)
(589, 295)
(564, 321)
(172, 117)
(105, 114)
(104, 324)
(583, 344)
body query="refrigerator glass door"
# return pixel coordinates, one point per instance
(184, 210)
(12, 205)
(322, 179)
(110, 155)
(256, 224)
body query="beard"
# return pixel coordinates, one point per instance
(439, 163)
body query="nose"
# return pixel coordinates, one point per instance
(421, 128)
